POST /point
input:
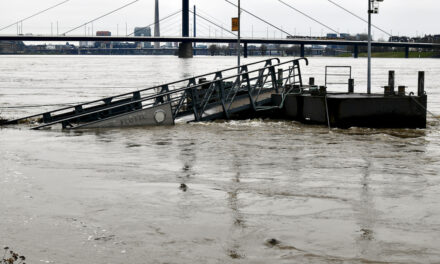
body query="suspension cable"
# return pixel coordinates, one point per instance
(142, 28)
(304, 14)
(204, 27)
(172, 25)
(215, 24)
(259, 18)
(36, 14)
(109, 13)
(359, 17)
(208, 15)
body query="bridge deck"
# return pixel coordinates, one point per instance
(293, 41)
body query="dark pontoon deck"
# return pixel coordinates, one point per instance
(355, 110)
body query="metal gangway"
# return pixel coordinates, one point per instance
(216, 95)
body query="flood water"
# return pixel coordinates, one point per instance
(258, 191)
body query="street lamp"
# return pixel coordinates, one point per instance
(239, 37)
(373, 8)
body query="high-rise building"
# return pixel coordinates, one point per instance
(143, 32)
(156, 25)
(104, 44)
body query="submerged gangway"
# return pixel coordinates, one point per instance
(216, 95)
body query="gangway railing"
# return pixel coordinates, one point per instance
(344, 71)
(206, 100)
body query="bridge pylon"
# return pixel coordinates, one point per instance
(185, 48)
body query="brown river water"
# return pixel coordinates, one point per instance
(258, 191)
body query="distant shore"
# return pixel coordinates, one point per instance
(399, 54)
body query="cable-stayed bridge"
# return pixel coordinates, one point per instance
(245, 41)
(186, 41)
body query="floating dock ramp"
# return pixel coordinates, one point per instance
(218, 95)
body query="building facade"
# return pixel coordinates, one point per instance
(143, 32)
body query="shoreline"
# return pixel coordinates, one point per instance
(389, 55)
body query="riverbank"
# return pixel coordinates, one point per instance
(399, 54)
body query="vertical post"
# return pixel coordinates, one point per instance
(195, 24)
(303, 51)
(407, 52)
(274, 79)
(238, 39)
(350, 85)
(245, 51)
(421, 84)
(369, 46)
(356, 51)
(391, 82)
(280, 77)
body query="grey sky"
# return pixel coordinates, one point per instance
(402, 17)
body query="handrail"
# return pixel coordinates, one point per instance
(138, 91)
(337, 74)
(163, 94)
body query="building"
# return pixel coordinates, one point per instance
(11, 47)
(86, 44)
(103, 33)
(92, 44)
(345, 36)
(399, 39)
(168, 45)
(104, 44)
(332, 35)
(143, 32)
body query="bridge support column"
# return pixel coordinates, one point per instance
(303, 51)
(185, 50)
(407, 52)
(356, 52)
(245, 50)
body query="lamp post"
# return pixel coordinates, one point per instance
(238, 38)
(373, 8)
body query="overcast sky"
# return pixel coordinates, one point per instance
(402, 17)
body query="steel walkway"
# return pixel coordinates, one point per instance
(216, 95)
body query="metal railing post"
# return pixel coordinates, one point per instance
(274, 78)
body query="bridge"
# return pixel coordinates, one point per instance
(245, 41)
(186, 41)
